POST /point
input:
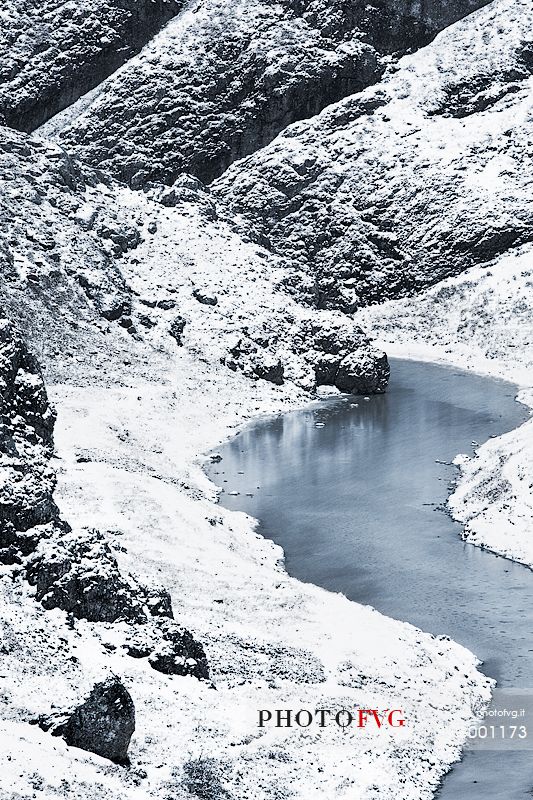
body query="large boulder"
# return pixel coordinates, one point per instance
(341, 356)
(103, 723)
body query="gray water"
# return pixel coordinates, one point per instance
(353, 491)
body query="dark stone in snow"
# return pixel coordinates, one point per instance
(159, 603)
(81, 575)
(103, 724)
(205, 299)
(176, 329)
(172, 649)
(270, 372)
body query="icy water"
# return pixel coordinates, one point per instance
(351, 489)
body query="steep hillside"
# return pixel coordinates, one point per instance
(410, 181)
(225, 77)
(81, 256)
(52, 52)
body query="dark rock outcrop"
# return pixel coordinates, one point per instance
(52, 52)
(273, 372)
(340, 357)
(26, 426)
(177, 326)
(204, 298)
(79, 574)
(170, 649)
(103, 723)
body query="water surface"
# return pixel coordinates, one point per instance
(354, 491)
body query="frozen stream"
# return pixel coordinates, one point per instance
(352, 494)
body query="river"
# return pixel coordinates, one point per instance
(354, 490)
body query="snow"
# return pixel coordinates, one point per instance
(142, 413)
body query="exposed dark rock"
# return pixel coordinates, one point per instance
(167, 304)
(170, 648)
(255, 68)
(462, 98)
(176, 329)
(270, 372)
(26, 427)
(340, 357)
(159, 602)
(51, 53)
(103, 723)
(354, 377)
(79, 574)
(205, 299)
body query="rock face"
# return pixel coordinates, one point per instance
(53, 52)
(26, 426)
(340, 360)
(103, 724)
(226, 76)
(409, 182)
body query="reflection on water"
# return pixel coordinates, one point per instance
(351, 489)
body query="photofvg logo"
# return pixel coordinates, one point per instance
(507, 723)
(345, 719)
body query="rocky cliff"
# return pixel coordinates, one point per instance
(225, 78)
(411, 181)
(53, 52)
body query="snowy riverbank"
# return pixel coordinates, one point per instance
(480, 321)
(143, 486)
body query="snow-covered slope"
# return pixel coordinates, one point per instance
(410, 181)
(81, 255)
(227, 75)
(99, 276)
(161, 326)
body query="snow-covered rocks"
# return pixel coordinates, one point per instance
(52, 52)
(79, 574)
(411, 181)
(26, 425)
(224, 77)
(170, 649)
(193, 281)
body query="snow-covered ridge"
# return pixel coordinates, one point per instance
(226, 76)
(413, 180)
